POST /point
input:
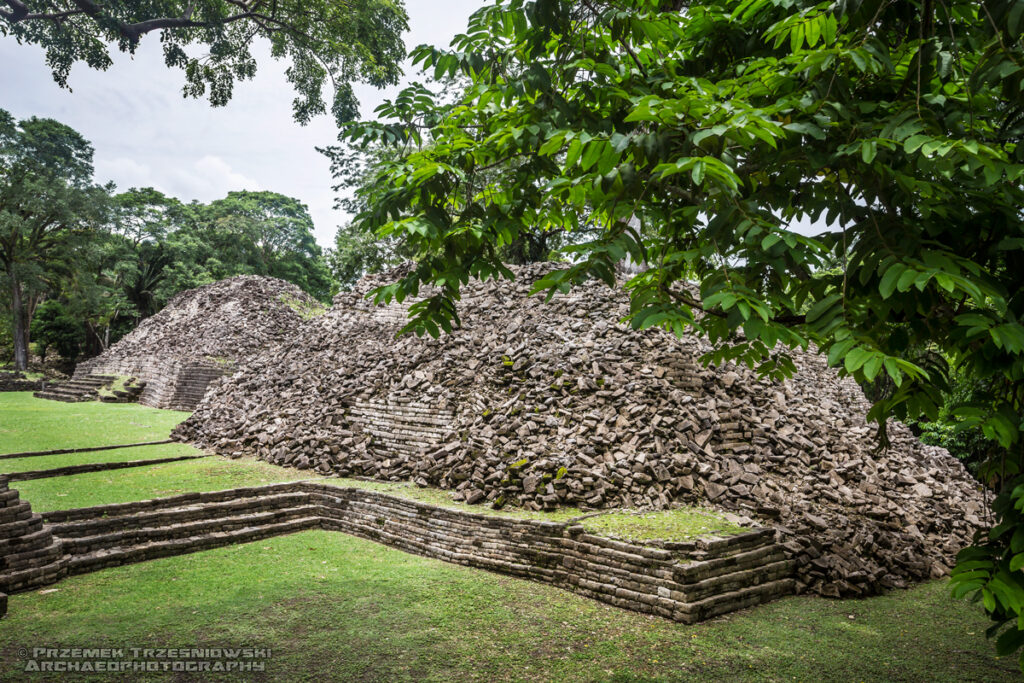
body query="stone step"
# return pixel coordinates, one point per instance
(77, 389)
(31, 558)
(706, 569)
(8, 497)
(178, 514)
(21, 527)
(735, 600)
(726, 583)
(112, 557)
(184, 500)
(51, 396)
(64, 391)
(33, 541)
(86, 382)
(125, 538)
(33, 577)
(13, 513)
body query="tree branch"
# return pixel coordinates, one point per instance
(133, 32)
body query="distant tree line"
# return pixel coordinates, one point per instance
(81, 265)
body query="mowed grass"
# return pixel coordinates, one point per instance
(152, 481)
(34, 424)
(680, 524)
(49, 462)
(333, 607)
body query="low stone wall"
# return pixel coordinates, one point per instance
(170, 383)
(685, 582)
(30, 555)
(69, 470)
(14, 382)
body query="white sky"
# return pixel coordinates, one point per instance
(146, 134)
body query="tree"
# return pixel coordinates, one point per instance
(358, 251)
(694, 134)
(142, 247)
(356, 40)
(264, 233)
(46, 199)
(53, 326)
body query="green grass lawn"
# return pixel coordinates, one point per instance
(49, 462)
(680, 524)
(35, 424)
(154, 481)
(332, 607)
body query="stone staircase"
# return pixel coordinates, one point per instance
(30, 556)
(77, 389)
(129, 394)
(402, 427)
(112, 535)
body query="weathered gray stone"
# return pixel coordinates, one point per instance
(533, 404)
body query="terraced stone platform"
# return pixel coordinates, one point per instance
(687, 582)
(30, 556)
(84, 387)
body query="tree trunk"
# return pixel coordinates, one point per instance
(20, 323)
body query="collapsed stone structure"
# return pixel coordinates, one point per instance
(200, 335)
(551, 404)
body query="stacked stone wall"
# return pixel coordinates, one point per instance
(173, 384)
(686, 582)
(30, 555)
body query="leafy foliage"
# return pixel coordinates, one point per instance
(340, 42)
(55, 327)
(47, 203)
(694, 134)
(262, 233)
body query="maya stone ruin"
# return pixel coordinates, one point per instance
(554, 404)
(201, 334)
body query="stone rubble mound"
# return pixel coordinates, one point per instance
(223, 320)
(558, 404)
(200, 335)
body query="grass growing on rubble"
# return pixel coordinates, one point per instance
(665, 525)
(333, 607)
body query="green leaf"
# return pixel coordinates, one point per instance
(888, 284)
(822, 307)
(855, 359)
(914, 143)
(868, 151)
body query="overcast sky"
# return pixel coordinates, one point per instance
(146, 134)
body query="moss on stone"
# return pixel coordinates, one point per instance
(307, 310)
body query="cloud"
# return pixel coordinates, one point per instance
(206, 179)
(146, 134)
(125, 173)
(209, 178)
